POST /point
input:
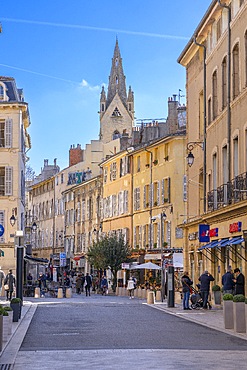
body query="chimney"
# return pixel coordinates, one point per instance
(75, 155)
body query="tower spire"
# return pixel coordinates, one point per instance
(117, 78)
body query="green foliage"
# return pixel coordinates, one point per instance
(245, 300)
(3, 312)
(15, 300)
(216, 288)
(227, 297)
(109, 252)
(239, 298)
(7, 308)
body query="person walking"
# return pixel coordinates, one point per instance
(227, 281)
(239, 282)
(78, 284)
(186, 284)
(104, 285)
(131, 287)
(2, 277)
(88, 283)
(9, 283)
(205, 280)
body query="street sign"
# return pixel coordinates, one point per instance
(1, 230)
(62, 259)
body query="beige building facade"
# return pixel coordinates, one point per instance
(14, 144)
(216, 75)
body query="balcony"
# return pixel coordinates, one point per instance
(232, 192)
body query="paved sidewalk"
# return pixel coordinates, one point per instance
(210, 318)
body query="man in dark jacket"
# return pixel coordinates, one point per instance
(88, 283)
(10, 281)
(240, 282)
(205, 279)
(186, 283)
(227, 281)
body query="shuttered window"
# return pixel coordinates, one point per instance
(8, 133)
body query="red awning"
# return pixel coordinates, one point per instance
(77, 258)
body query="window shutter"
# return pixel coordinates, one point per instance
(140, 236)
(185, 188)
(8, 180)
(162, 191)
(135, 199)
(169, 189)
(144, 236)
(158, 235)
(151, 194)
(126, 201)
(158, 193)
(8, 132)
(110, 206)
(134, 236)
(144, 196)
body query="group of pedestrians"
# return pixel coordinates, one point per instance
(83, 283)
(233, 284)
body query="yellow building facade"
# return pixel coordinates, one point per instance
(216, 68)
(14, 144)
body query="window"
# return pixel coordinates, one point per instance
(62, 178)
(1, 92)
(245, 42)
(224, 83)
(209, 111)
(136, 199)
(138, 166)
(215, 95)
(235, 157)
(116, 113)
(236, 88)
(105, 175)
(219, 28)
(116, 135)
(113, 171)
(6, 181)
(6, 133)
(156, 194)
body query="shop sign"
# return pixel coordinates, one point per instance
(213, 232)
(204, 233)
(235, 227)
(150, 256)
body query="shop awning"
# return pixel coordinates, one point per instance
(36, 259)
(77, 258)
(213, 244)
(237, 240)
(223, 243)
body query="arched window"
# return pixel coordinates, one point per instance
(224, 83)
(1, 92)
(235, 66)
(215, 95)
(116, 135)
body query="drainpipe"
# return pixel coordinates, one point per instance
(228, 89)
(204, 124)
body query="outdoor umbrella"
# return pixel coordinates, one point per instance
(147, 266)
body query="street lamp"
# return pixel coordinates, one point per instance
(190, 146)
(12, 219)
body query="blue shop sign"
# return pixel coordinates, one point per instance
(204, 233)
(1, 230)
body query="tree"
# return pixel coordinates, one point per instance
(109, 252)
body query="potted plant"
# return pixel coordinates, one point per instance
(228, 311)
(6, 324)
(217, 294)
(239, 313)
(10, 313)
(15, 304)
(155, 162)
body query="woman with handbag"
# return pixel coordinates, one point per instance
(186, 283)
(9, 283)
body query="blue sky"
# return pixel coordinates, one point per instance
(60, 53)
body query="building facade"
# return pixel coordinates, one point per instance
(215, 60)
(14, 144)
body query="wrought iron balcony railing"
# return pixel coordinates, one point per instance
(232, 192)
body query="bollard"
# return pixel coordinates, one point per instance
(150, 298)
(144, 293)
(37, 293)
(60, 293)
(68, 293)
(117, 290)
(158, 295)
